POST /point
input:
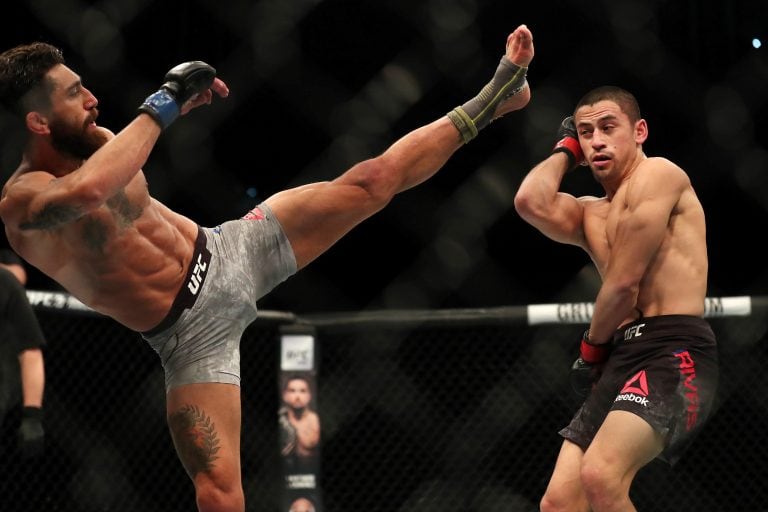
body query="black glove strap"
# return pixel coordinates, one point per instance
(32, 412)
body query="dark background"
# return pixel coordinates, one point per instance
(440, 418)
(318, 86)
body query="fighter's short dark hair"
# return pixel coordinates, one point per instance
(22, 74)
(623, 98)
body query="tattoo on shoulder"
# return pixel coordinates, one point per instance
(195, 437)
(51, 216)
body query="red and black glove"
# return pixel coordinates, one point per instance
(586, 370)
(568, 143)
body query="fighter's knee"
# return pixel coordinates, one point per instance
(378, 179)
(593, 477)
(601, 485)
(561, 502)
(550, 503)
(212, 498)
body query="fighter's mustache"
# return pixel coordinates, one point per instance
(92, 118)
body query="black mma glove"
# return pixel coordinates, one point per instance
(182, 82)
(31, 434)
(568, 143)
(586, 370)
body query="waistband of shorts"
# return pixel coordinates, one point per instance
(193, 282)
(665, 325)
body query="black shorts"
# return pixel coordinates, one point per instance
(664, 369)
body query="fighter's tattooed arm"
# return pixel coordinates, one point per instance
(51, 216)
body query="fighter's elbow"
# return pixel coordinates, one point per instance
(529, 207)
(625, 289)
(521, 202)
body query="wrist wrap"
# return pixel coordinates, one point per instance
(162, 107)
(592, 353)
(571, 148)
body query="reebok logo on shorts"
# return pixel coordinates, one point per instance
(635, 389)
(255, 214)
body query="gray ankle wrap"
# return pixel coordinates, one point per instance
(478, 112)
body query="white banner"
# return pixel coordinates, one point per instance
(581, 312)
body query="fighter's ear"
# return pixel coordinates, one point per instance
(641, 131)
(37, 123)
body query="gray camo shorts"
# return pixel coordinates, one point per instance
(233, 266)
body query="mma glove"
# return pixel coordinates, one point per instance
(182, 83)
(568, 143)
(588, 367)
(31, 433)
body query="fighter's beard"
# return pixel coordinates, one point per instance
(78, 144)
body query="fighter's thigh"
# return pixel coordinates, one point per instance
(204, 421)
(316, 216)
(624, 443)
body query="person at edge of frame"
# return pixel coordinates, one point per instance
(22, 364)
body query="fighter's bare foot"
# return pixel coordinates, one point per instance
(519, 52)
(508, 90)
(520, 46)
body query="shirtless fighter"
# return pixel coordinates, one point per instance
(648, 362)
(78, 209)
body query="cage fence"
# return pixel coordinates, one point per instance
(419, 412)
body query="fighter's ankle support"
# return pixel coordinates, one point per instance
(478, 112)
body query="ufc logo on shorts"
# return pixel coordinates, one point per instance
(633, 332)
(197, 275)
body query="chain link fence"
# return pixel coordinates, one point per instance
(442, 415)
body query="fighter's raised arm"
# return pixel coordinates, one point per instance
(36, 198)
(539, 200)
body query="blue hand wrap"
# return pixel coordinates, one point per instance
(162, 107)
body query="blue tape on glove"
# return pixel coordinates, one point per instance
(162, 107)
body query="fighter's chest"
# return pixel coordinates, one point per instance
(105, 225)
(601, 226)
